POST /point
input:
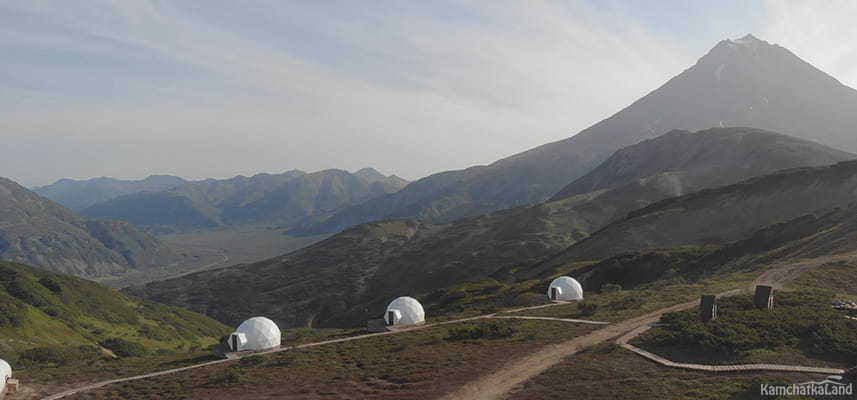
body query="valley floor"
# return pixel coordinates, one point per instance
(220, 248)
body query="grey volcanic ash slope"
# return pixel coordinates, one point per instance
(333, 282)
(745, 82)
(37, 231)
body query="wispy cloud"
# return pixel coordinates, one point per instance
(820, 32)
(216, 88)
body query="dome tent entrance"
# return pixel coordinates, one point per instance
(256, 333)
(565, 288)
(404, 311)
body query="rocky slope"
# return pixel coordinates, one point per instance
(37, 231)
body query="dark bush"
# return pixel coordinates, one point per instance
(611, 288)
(12, 314)
(231, 374)
(7, 274)
(251, 361)
(125, 348)
(15, 288)
(627, 303)
(485, 330)
(43, 355)
(58, 356)
(587, 308)
(50, 284)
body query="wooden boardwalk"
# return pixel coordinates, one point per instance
(623, 341)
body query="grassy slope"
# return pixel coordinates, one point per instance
(80, 312)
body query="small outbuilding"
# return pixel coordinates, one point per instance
(565, 288)
(764, 297)
(257, 333)
(404, 311)
(708, 308)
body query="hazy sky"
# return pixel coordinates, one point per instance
(210, 88)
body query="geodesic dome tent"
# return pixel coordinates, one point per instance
(256, 333)
(404, 311)
(5, 374)
(565, 288)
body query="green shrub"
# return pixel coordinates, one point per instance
(587, 308)
(251, 361)
(15, 288)
(627, 303)
(125, 348)
(231, 374)
(611, 288)
(58, 356)
(7, 274)
(43, 355)
(50, 284)
(485, 330)
(12, 314)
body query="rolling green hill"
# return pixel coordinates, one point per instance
(48, 318)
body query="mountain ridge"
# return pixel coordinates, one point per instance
(759, 85)
(37, 231)
(263, 198)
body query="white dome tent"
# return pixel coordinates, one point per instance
(404, 311)
(5, 374)
(256, 333)
(565, 288)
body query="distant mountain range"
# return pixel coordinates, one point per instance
(743, 82)
(168, 204)
(37, 231)
(364, 266)
(78, 195)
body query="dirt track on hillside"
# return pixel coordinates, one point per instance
(500, 383)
